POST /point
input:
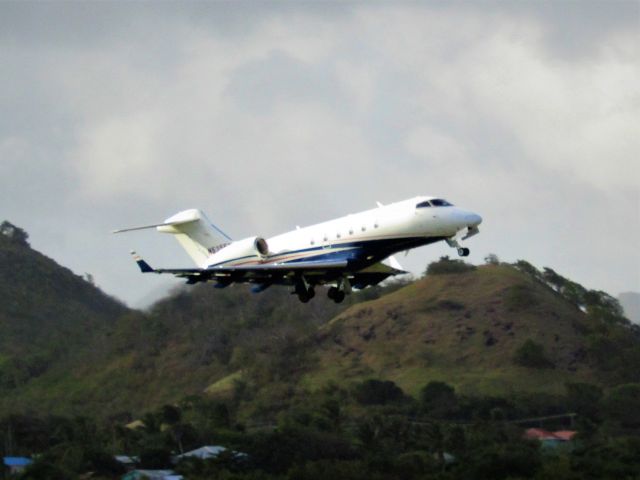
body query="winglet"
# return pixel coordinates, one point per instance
(144, 266)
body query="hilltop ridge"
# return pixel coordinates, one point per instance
(48, 315)
(65, 346)
(461, 328)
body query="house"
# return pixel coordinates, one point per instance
(16, 464)
(207, 452)
(549, 439)
(565, 435)
(203, 453)
(127, 461)
(152, 475)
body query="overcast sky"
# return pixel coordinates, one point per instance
(270, 115)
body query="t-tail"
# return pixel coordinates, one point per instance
(197, 235)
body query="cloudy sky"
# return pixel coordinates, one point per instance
(271, 115)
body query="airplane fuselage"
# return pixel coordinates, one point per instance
(361, 239)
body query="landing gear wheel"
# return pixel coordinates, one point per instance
(336, 294)
(304, 297)
(304, 292)
(463, 252)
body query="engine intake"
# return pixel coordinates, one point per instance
(261, 246)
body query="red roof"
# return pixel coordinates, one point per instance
(540, 434)
(565, 434)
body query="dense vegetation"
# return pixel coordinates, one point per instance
(424, 379)
(338, 433)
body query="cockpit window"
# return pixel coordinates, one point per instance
(423, 204)
(439, 202)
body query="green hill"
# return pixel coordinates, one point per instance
(48, 315)
(67, 348)
(464, 329)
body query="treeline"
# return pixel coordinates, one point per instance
(369, 430)
(612, 340)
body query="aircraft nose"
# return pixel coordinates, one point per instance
(474, 219)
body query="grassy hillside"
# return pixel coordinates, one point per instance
(116, 360)
(67, 348)
(460, 328)
(49, 317)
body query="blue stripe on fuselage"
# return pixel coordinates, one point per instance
(360, 254)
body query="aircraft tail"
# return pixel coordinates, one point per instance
(197, 235)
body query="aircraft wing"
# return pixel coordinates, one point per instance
(266, 272)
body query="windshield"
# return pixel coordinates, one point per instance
(439, 202)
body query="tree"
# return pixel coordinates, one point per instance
(531, 355)
(623, 405)
(438, 399)
(584, 399)
(556, 281)
(492, 259)
(43, 470)
(377, 392)
(448, 266)
(15, 234)
(529, 269)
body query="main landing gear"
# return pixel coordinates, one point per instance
(342, 288)
(463, 252)
(304, 291)
(336, 294)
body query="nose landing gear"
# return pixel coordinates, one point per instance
(462, 251)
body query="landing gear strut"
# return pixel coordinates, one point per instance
(304, 291)
(453, 242)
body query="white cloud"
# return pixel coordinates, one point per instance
(298, 116)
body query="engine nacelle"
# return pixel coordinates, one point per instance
(248, 247)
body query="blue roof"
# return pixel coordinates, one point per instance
(17, 461)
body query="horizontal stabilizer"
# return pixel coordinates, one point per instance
(145, 227)
(144, 266)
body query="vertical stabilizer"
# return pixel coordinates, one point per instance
(197, 235)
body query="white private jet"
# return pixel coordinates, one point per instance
(344, 253)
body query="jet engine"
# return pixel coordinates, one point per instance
(248, 247)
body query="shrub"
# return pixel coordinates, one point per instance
(531, 355)
(438, 399)
(377, 392)
(447, 266)
(520, 297)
